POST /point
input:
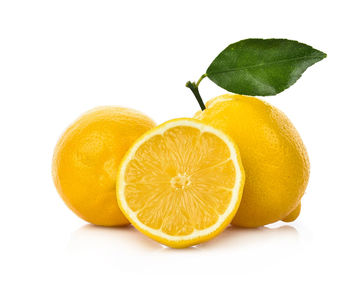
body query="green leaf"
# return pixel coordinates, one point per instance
(262, 67)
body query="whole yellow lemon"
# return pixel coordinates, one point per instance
(273, 155)
(87, 157)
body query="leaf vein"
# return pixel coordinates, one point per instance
(264, 64)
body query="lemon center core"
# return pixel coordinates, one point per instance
(180, 181)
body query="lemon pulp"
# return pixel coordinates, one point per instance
(180, 179)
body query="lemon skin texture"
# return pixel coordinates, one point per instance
(273, 155)
(293, 215)
(86, 160)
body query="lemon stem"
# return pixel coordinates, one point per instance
(194, 88)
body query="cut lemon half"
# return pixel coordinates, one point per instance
(181, 183)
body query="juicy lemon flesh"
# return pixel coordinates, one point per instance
(181, 183)
(168, 181)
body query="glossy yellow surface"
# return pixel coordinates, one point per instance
(87, 157)
(273, 155)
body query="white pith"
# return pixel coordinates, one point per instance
(196, 233)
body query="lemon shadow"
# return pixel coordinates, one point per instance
(98, 239)
(92, 239)
(234, 236)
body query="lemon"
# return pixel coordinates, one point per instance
(86, 160)
(273, 155)
(181, 183)
(293, 215)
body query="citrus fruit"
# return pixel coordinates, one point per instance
(86, 160)
(181, 183)
(273, 155)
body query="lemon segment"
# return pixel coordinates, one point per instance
(181, 183)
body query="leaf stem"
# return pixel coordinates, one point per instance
(200, 79)
(194, 88)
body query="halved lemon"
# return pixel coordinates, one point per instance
(181, 183)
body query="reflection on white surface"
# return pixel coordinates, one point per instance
(129, 251)
(94, 239)
(245, 237)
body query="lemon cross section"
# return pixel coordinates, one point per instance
(181, 183)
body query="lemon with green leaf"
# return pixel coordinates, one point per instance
(273, 154)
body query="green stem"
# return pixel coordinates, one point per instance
(194, 88)
(200, 79)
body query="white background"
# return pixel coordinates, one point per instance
(61, 58)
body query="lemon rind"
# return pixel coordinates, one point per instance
(197, 236)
